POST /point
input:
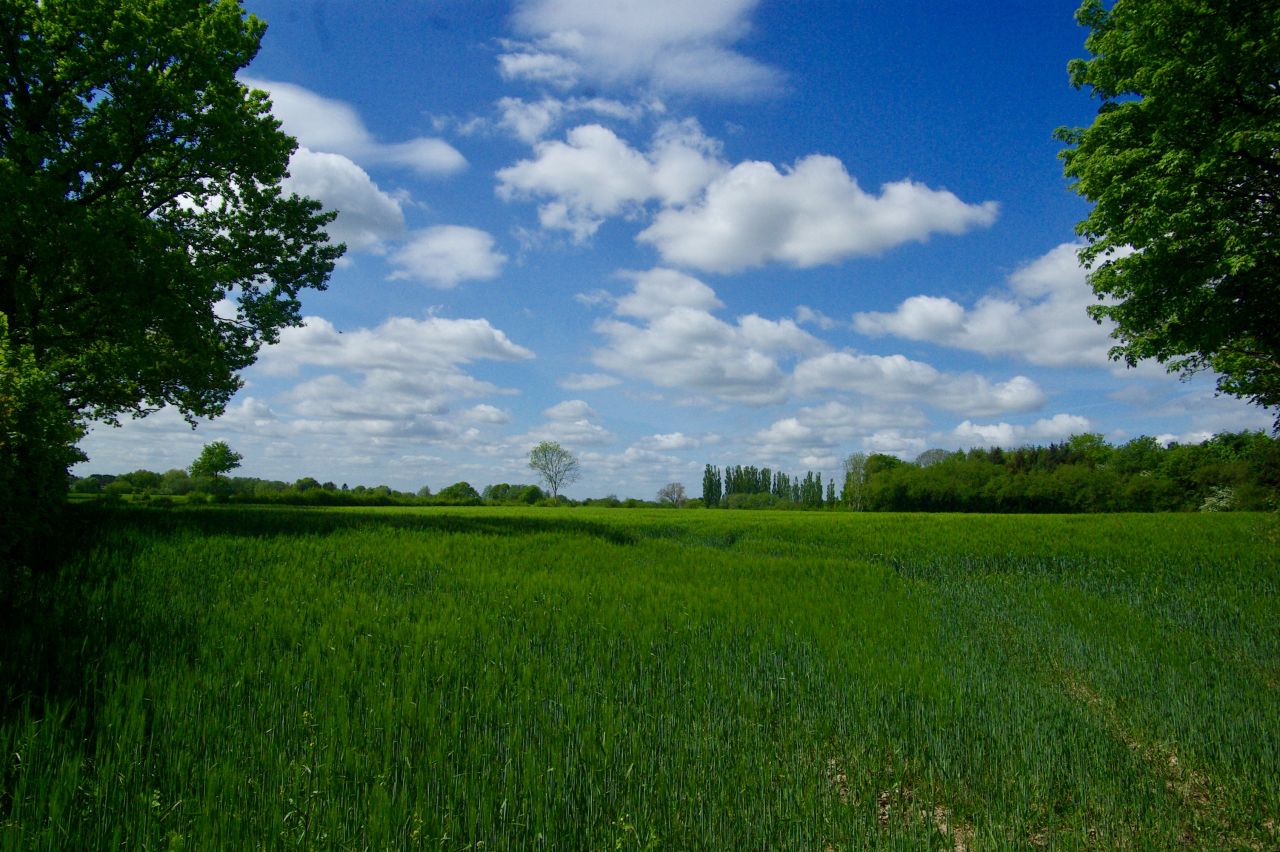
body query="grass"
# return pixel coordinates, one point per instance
(489, 678)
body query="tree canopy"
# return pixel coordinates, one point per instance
(147, 249)
(555, 465)
(215, 460)
(1182, 164)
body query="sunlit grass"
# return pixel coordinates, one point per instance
(240, 678)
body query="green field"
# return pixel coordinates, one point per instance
(236, 678)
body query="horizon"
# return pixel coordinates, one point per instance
(738, 231)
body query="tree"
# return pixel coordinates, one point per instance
(932, 456)
(215, 461)
(147, 249)
(855, 480)
(37, 446)
(555, 465)
(673, 493)
(711, 486)
(458, 492)
(1182, 164)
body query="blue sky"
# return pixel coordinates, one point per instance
(667, 233)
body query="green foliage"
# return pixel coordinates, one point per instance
(458, 492)
(1182, 164)
(588, 679)
(555, 465)
(37, 446)
(142, 187)
(215, 461)
(712, 486)
(1082, 474)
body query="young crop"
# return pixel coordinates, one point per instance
(228, 677)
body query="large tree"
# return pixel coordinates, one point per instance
(555, 465)
(215, 461)
(147, 249)
(1182, 164)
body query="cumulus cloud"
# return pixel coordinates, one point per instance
(1059, 427)
(894, 442)
(669, 442)
(659, 291)
(333, 126)
(810, 316)
(898, 378)
(396, 382)
(817, 433)
(570, 409)
(1040, 317)
(528, 62)
(484, 413)
(529, 121)
(572, 422)
(446, 254)
(811, 214)
(667, 45)
(367, 216)
(594, 175)
(401, 344)
(679, 343)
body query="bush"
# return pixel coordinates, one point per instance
(763, 500)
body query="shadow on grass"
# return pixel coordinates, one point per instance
(293, 521)
(57, 624)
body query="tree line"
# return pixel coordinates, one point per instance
(1229, 471)
(147, 486)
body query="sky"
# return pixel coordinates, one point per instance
(666, 234)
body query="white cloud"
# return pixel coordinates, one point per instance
(680, 344)
(570, 409)
(571, 422)
(398, 344)
(1040, 317)
(669, 442)
(894, 442)
(817, 434)
(594, 175)
(367, 216)
(811, 214)
(332, 126)
(531, 120)
(528, 63)
(374, 387)
(1059, 427)
(446, 254)
(658, 291)
(806, 315)
(897, 378)
(668, 45)
(589, 381)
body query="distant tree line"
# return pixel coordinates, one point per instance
(1083, 474)
(750, 487)
(202, 485)
(1231, 471)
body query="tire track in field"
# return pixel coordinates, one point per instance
(1200, 796)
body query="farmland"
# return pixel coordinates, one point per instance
(231, 677)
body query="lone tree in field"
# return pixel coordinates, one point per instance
(1182, 164)
(555, 465)
(673, 493)
(215, 461)
(147, 249)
